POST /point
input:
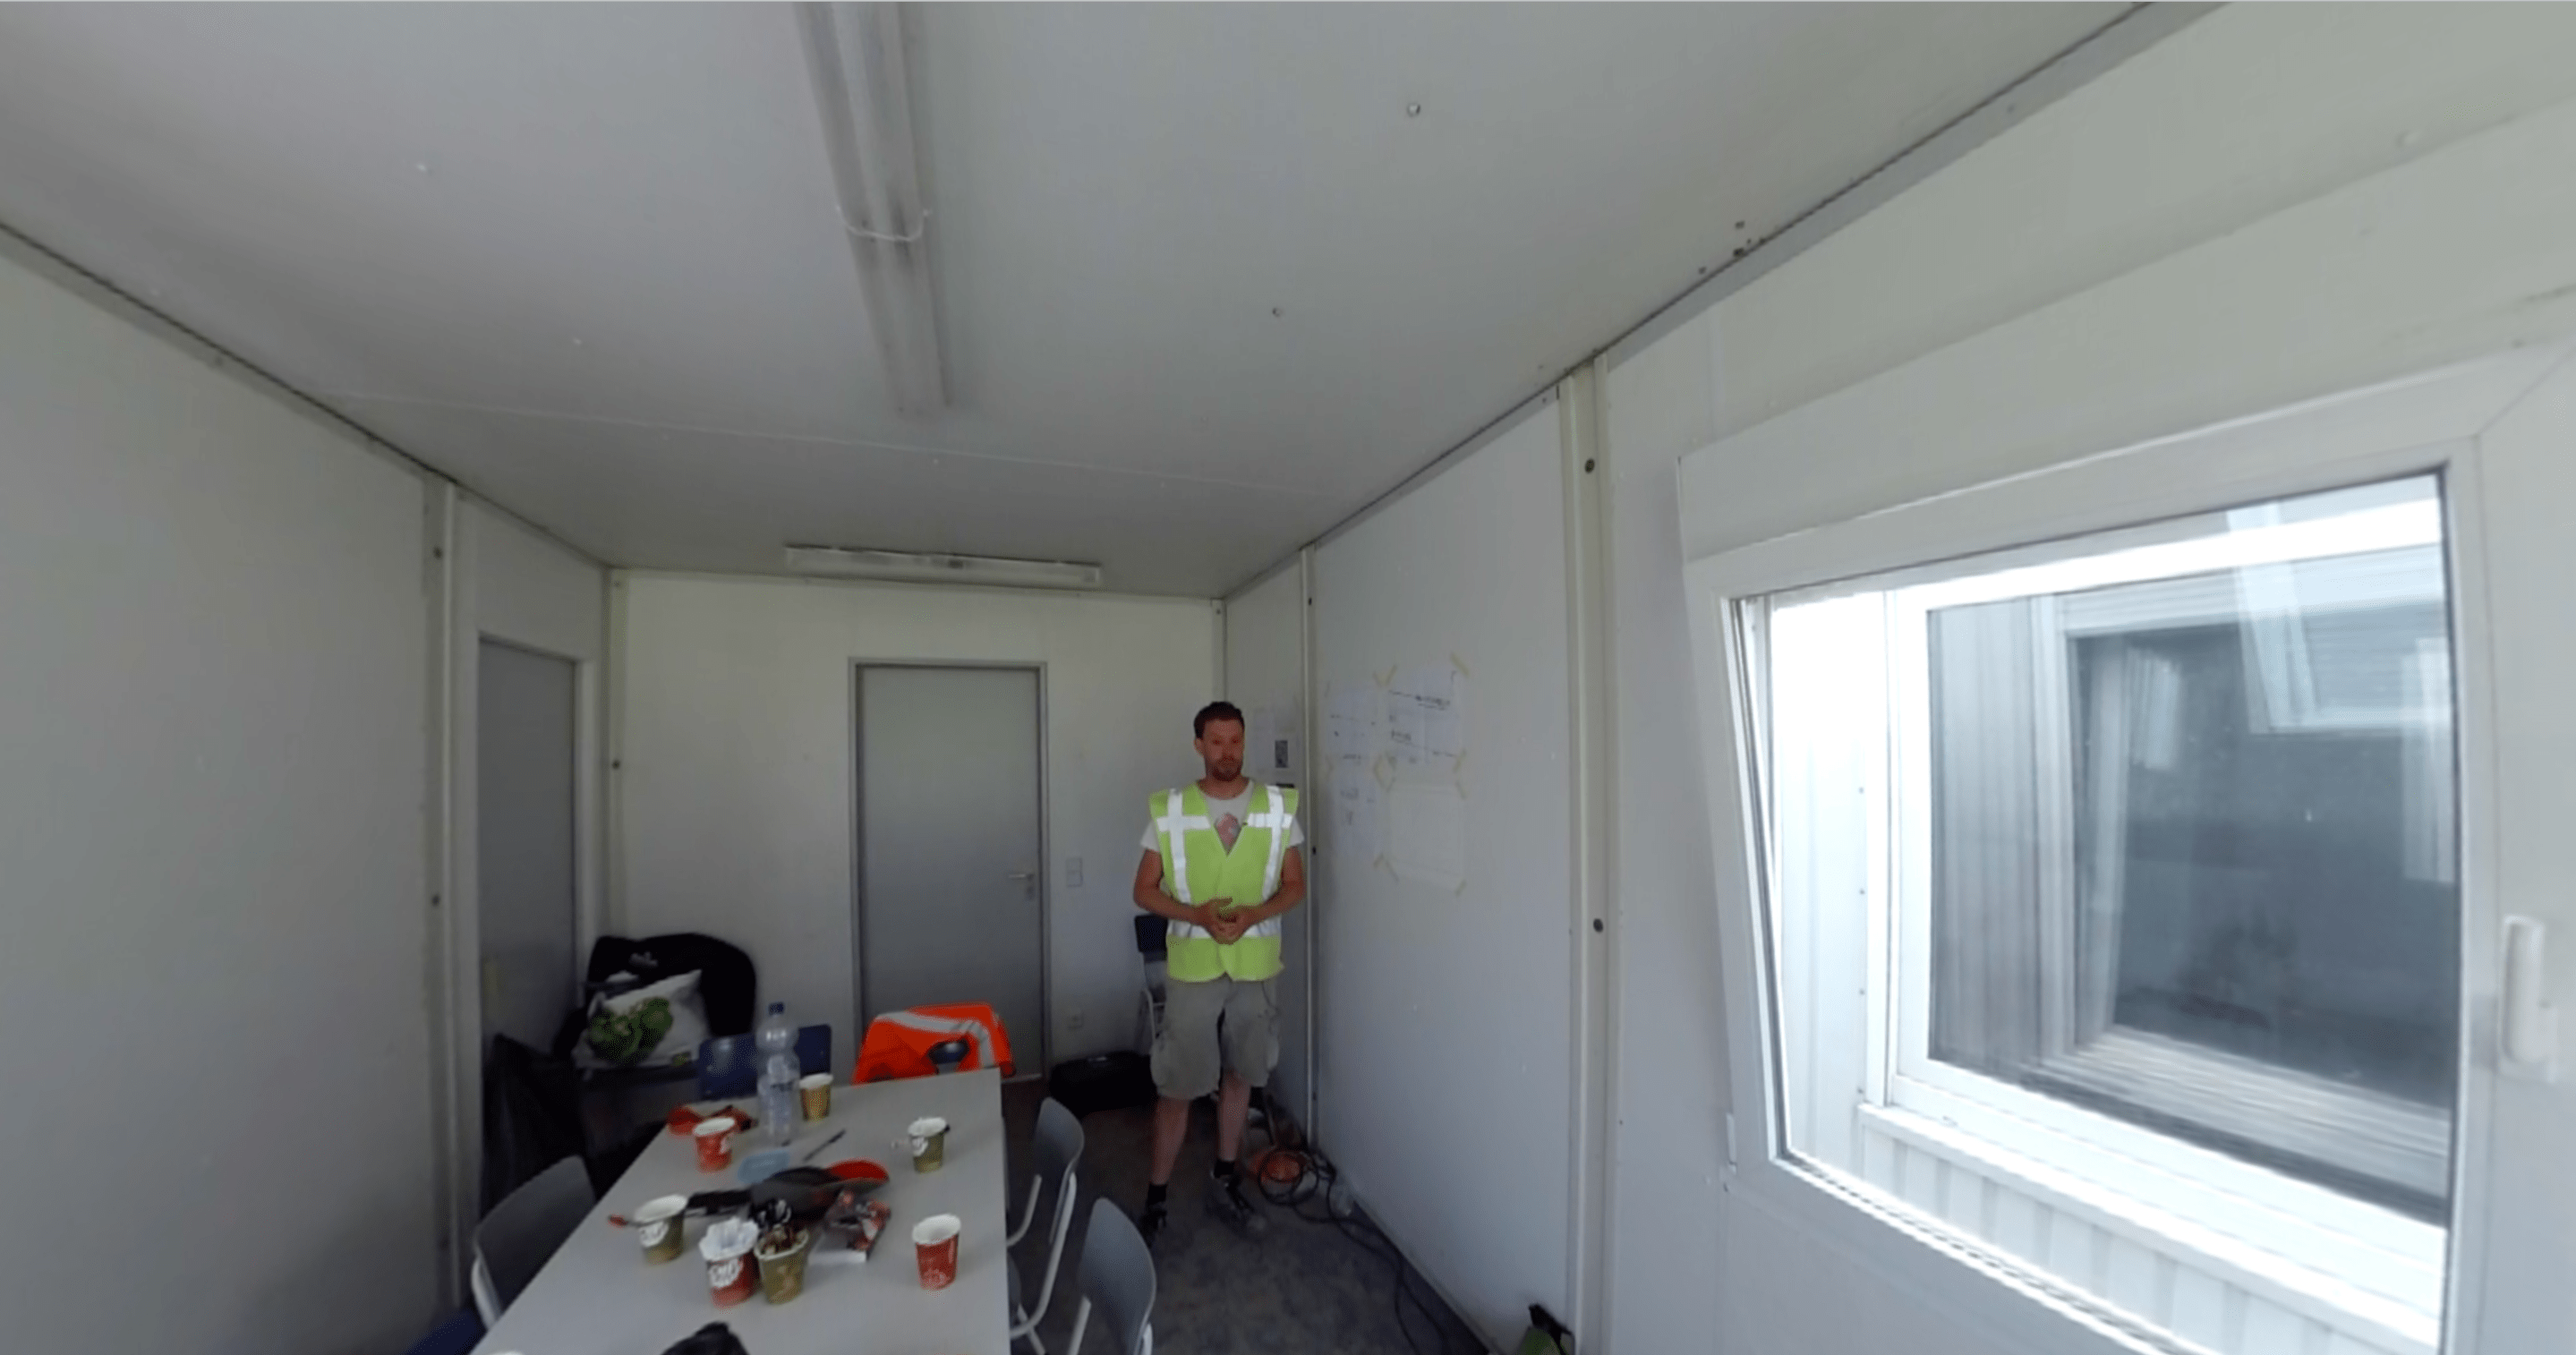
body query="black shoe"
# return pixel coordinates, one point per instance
(1149, 1224)
(1227, 1200)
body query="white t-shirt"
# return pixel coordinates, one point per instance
(1227, 815)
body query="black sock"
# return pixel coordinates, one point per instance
(1222, 1170)
(1154, 1195)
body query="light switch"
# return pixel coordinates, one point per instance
(1073, 871)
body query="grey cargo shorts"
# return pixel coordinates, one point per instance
(1187, 1062)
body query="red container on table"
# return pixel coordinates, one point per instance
(715, 1143)
(732, 1274)
(934, 1241)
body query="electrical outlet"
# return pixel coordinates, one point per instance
(1073, 871)
(1073, 1019)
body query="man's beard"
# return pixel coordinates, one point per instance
(1224, 771)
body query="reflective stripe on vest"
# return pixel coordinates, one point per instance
(1189, 845)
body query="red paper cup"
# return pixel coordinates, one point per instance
(715, 1144)
(934, 1242)
(731, 1273)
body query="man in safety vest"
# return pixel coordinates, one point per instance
(1221, 866)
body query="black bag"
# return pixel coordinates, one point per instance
(715, 1338)
(1102, 1082)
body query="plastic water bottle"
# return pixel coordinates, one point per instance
(779, 1071)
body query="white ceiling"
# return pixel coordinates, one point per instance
(585, 258)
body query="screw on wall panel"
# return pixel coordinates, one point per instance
(1413, 110)
(1596, 924)
(1587, 465)
(433, 900)
(438, 552)
(1276, 311)
(615, 765)
(1739, 225)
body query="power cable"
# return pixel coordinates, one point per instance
(1291, 1173)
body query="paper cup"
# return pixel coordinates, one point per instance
(715, 1143)
(660, 1228)
(816, 1091)
(934, 1243)
(929, 1143)
(731, 1272)
(782, 1273)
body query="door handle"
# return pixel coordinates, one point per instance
(2530, 1024)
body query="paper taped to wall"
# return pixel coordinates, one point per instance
(1354, 730)
(1426, 834)
(1426, 720)
(1355, 818)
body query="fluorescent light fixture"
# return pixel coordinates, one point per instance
(856, 53)
(836, 562)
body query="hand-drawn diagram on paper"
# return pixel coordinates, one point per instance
(1426, 720)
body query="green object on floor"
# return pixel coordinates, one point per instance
(1546, 1335)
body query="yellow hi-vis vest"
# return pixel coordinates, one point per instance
(1197, 867)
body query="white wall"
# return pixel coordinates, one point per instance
(1265, 668)
(2274, 204)
(1445, 1016)
(735, 739)
(213, 863)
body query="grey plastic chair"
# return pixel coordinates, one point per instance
(512, 1242)
(1057, 1145)
(1118, 1279)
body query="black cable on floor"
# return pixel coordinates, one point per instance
(1316, 1176)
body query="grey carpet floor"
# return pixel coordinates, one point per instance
(1302, 1288)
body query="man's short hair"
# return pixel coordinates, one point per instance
(1214, 710)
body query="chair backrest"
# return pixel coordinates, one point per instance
(1153, 934)
(898, 1043)
(729, 1065)
(814, 1049)
(1056, 1148)
(1056, 1145)
(514, 1240)
(1117, 1280)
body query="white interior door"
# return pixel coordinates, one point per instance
(950, 881)
(524, 834)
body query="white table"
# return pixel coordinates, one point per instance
(598, 1296)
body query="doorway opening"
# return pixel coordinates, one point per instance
(950, 904)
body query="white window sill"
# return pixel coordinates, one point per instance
(2389, 1318)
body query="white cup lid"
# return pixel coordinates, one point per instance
(927, 1125)
(733, 1237)
(811, 1081)
(721, 1124)
(938, 1228)
(660, 1207)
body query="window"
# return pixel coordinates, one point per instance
(2119, 874)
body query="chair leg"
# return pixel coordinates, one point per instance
(1081, 1323)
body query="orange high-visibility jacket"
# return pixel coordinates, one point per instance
(898, 1044)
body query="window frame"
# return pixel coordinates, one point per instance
(1912, 1066)
(2426, 424)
